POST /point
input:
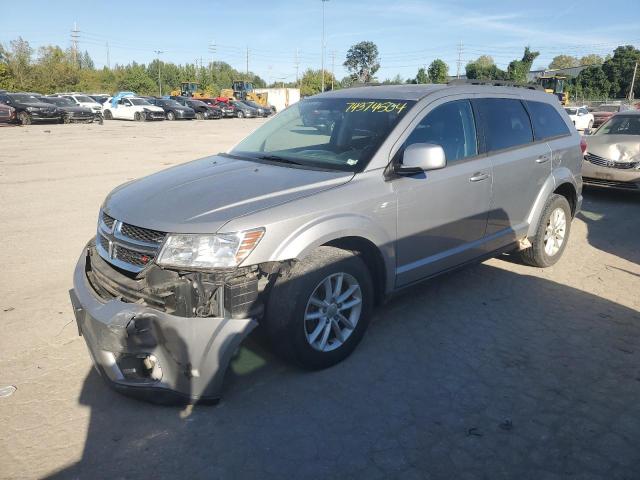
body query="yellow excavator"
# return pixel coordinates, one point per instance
(189, 89)
(554, 84)
(244, 91)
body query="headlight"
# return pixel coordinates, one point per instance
(32, 109)
(224, 250)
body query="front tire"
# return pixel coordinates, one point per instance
(240, 114)
(171, 115)
(318, 311)
(199, 116)
(24, 118)
(552, 234)
(138, 117)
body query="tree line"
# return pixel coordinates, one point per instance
(51, 69)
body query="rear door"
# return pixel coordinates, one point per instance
(442, 214)
(520, 165)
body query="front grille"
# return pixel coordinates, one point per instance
(131, 257)
(127, 246)
(108, 221)
(142, 234)
(610, 183)
(603, 162)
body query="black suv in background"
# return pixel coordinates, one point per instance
(29, 109)
(203, 111)
(173, 109)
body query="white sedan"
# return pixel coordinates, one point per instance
(580, 116)
(131, 108)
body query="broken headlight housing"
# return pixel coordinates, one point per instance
(222, 250)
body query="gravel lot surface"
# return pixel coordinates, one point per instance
(496, 371)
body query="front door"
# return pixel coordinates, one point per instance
(442, 214)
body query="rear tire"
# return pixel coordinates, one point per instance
(552, 234)
(314, 333)
(24, 118)
(199, 116)
(240, 114)
(138, 117)
(171, 115)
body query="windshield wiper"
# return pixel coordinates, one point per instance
(276, 158)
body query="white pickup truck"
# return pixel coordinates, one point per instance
(131, 108)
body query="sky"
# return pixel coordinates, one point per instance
(409, 33)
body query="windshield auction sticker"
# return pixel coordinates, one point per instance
(386, 107)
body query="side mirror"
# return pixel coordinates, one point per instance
(420, 157)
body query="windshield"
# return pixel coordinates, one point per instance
(171, 103)
(139, 101)
(84, 99)
(620, 125)
(331, 133)
(252, 104)
(197, 103)
(21, 97)
(61, 102)
(571, 111)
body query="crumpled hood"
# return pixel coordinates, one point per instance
(201, 196)
(621, 148)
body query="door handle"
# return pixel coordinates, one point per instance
(543, 159)
(478, 176)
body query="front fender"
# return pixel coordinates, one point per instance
(319, 231)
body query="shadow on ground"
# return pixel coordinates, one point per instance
(613, 220)
(483, 373)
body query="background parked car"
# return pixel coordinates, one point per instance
(7, 113)
(612, 158)
(602, 113)
(203, 111)
(71, 112)
(131, 108)
(82, 100)
(243, 110)
(100, 99)
(262, 110)
(29, 109)
(172, 109)
(580, 116)
(226, 109)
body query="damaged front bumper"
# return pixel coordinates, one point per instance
(151, 354)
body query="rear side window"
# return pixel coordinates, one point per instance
(506, 122)
(547, 122)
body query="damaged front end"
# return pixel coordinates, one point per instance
(162, 335)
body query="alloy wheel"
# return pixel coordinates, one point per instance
(332, 312)
(555, 232)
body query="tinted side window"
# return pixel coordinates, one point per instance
(506, 122)
(547, 122)
(452, 127)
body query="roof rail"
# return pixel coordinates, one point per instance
(495, 83)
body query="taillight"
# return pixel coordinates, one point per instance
(583, 145)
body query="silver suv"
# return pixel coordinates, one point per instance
(319, 215)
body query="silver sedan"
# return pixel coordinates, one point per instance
(612, 158)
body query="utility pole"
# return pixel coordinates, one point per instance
(333, 67)
(323, 46)
(633, 81)
(459, 62)
(247, 75)
(297, 62)
(75, 35)
(158, 52)
(212, 51)
(108, 61)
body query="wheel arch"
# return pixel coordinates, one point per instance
(562, 181)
